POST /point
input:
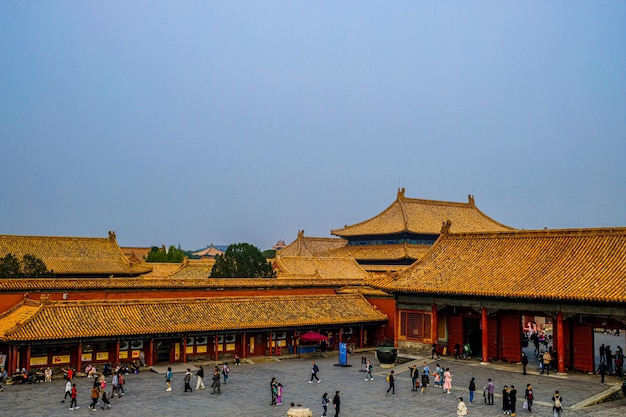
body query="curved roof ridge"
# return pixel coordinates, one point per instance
(395, 203)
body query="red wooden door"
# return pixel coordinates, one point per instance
(582, 342)
(511, 337)
(455, 332)
(493, 339)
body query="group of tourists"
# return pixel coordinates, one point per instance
(611, 363)
(98, 389)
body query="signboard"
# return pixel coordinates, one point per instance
(343, 354)
(102, 356)
(38, 360)
(58, 359)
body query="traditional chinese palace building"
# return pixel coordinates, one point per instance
(418, 273)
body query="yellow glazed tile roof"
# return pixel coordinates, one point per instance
(167, 283)
(18, 315)
(73, 255)
(311, 246)
(84, 319)
(424, 216)
(382, 252)
(573, 264)
(319, 267)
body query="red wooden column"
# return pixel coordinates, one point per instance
(340, 334)
(215, 351)
(150, 356)
(79, 356)
(270, 343)
(485, 335)
(244, 345)
(117, 353)
(560, 340)
(184, 353)
(27, 359)
(361, 337)
(434, 328)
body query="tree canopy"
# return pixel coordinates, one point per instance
(242, 260)
(172, 255)
(28, 267)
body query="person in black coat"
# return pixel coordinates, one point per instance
(336, 403)
(524, 362)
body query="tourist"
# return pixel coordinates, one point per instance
(472, 388)
(73, 405)
(602, 370)
(325, 402)
(433, 352)
(414, 376)
(279, 393)
(48, 375)
(237, 361)
(392, 384)
(512, 399)
(506, 400)
(68, 391)
(491, 389)
(187, 380)
(528, 397)
(95, 394)
(447, 381)
(274, 391)
(368, 371)
(217, 383)
(314, 371)
(461, 409)
(336, 403)
(557, 404)
(105, 400)
(200, 376)
(168, 379)
(524, 362)
(225, 371)
(142, 358)
(547, 359)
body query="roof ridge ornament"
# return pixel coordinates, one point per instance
(445, 227)
(470, 198)
(401, 193)
(112, 234)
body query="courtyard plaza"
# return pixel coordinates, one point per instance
(247, 392)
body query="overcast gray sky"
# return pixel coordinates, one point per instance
(244, 121)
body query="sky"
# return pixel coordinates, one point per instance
(197, 122)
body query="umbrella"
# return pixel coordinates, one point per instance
(312, 336)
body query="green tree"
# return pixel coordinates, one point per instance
(172, 255)
(242, 260)
(10, 267)
(29, 267)
(269, 254)
(34, 267)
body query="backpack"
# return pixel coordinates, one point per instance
(388, 376)
(315, 368)
(557, 402)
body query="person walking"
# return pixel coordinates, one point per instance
(368, 371)
(325, 402)
(602, 370)
(433, 352)
(279, 394)
(472, 388)
(424, 382)
(414, 376)
(73, 404)
(491, 389)
(524, 362)
(273, 390)
(200, 377)
(121, 382)
(217, 383)
(392, 384)
(547, 359)
(528, 397)
(447, 381)
(557, 404)
(314, 371)
(336, 403)
(187, 380)
(95, 394)
(601, 349)
(68, 390)
(225, 371)
(512, 399)
(461, 409)
(168, 379)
